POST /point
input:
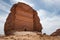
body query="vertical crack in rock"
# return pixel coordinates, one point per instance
(22, 18)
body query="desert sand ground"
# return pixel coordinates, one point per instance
(29, 36)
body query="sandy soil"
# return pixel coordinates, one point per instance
(29, 36)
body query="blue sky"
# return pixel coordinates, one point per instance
(48, 12)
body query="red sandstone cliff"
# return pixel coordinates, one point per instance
(22, 18)
(56, 33)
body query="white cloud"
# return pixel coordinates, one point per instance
(50, 24)
(52, 4)
(2, 22)
(4, 6)
(24, 1)
(1, 28)
(2, 19)
(52, 1)
(42, 13)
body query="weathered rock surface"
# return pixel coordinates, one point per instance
(29, 36)
(56, 33)
(22, 18)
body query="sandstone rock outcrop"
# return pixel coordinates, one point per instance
(56, 33)
(22, 18)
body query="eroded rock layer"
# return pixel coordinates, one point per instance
(22, 18)
(56, 33)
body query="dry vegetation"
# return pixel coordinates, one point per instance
(29, 36)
